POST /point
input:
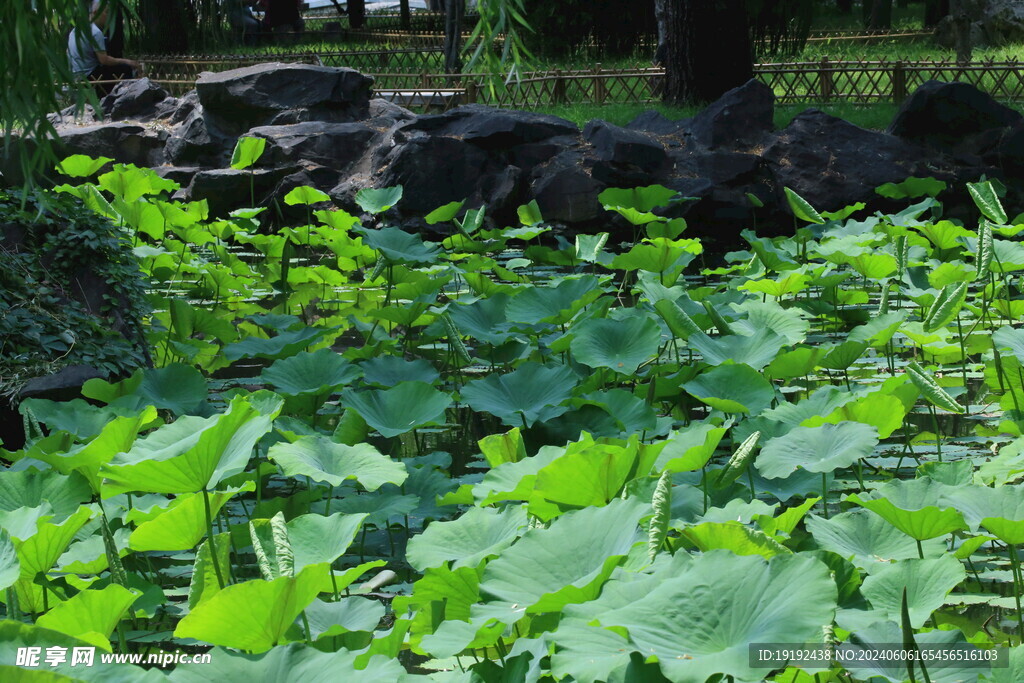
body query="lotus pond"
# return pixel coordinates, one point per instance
(362, 455)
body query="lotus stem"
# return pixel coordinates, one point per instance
(824, 493)
(213, 543)
(1015, 563)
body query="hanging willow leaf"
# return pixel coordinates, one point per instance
(986, 248)
(675, 317)
(739, 462)
(802, 209)
(945, 307)
(716, 318)
(987, 201)
(931, 390)
(662, 503)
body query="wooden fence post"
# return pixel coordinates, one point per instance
(825, 84)
(600, 91)
(559, 89)
(899, 82)
(471, 92)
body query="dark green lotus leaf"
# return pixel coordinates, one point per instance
(284, 344)
(867, 540)
(468, 540)
(918, 508)
(401, 408)
(553, 304)
(816, 449)
(399, 246)
(519, 398)
(732, 388)
(484, 319)
(387, 371)
(621, 345)
(927, 583)
(319, 373)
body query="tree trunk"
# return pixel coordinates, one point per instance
(934, 11)
(962, 27)
(453, 15)
(661, 19)
(356, 13)
(405, 18)
(115, 29)
(164, 27)
(709, 50)
(877, 15)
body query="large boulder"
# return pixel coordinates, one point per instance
(226, 189)
(126, 143)
(741, 117)
(832, 163)
(337, 145)
(624, 147)
(950, 116)
(992, 22)
(437, 170)
(493, 129)
(281, 94)
(198, 140)
(134, 99)
(565, 191)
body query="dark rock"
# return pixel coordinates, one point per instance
(1008, 152)
(565, 192)
(125, 143)
(386, 111)
(337, 145)
(226, 189)
(625, 147)
(437, 170)
(309, 174)
(655, 122)
(63, 385)
(199, 141)
(832, 163)
(282, 94)
(180, 174)
(69, 115)
(493, 129)
(992, 22)
(741, 117)
(184, 108)
(947, 116)
(132, 99)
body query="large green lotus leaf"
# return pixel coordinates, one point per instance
(323, 460)
(640, 198)
(734, 537)
(30, 488)
(15, 635)
(484, 319)
(565, 563)
(90, 615)
(879, 330)
(38, 553)
(10, 570)
(888, 633)
(399, 246)
(89, 555)
(284, 344)
(690, 448)
(254, 615)
(117, 436)
(378, 200)
(192, 453)
(387, 371)
(790, 323)
(816, 449)
(732, 389)
(557, 304)
(701, 621)
(1012, 673)
(292, 662)
(661, 255)
(999, 510)
(588, 474)
(514, 480)
(77, 416)
(757, 350)
(867, 540)
(927, 583)
(441, 596)
(884, 412)
(822, 401)
(630, 412)
(588, 654)
(319, 372)
(621, 345)
(467, 540)
(316, 539)
(183, 525)
(916, 507)
(401, 408)
(328, 619)
(530, 393)
(1009, 338)
(178, 388)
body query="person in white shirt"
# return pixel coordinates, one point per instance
(88, 56)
